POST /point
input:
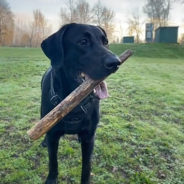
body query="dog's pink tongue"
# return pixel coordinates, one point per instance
(101, 90)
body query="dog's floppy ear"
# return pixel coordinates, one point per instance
(107, 45)
(102, 30)
(53, 47)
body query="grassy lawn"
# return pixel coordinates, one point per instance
(141, 133)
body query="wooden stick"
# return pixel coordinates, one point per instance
(70, 102)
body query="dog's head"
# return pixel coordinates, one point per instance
(82, 50)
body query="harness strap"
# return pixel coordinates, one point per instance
(56, 99)
(52, 92)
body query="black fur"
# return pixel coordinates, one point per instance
(75, 48)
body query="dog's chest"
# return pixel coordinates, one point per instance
(79, 119)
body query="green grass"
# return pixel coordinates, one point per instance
(158, 50)
(141, 133)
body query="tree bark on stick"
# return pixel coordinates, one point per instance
(69, 103)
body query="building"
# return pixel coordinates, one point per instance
(128, 39)
(166, 35)
(149, 32)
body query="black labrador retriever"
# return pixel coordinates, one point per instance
(76, 51)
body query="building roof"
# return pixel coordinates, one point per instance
(162, 27)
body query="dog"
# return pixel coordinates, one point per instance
(76, 52)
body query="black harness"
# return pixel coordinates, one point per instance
(73, 122)
(55, 98)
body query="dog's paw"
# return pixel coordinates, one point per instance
(51, 181)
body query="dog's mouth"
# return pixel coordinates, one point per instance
(100, 91)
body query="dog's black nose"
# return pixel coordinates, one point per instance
(112, 62)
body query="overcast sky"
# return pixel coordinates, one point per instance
(123, 9)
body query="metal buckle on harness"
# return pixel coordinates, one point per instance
(55, 100)
(83, 109)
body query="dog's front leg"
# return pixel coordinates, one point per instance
(52, 142)
(87, 150)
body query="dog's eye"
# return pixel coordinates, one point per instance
(83, 42)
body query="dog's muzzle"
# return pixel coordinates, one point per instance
(111, 62)
(101, 90)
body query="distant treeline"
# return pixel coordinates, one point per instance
(30, 33)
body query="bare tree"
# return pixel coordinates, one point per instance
(39, 29)
(72, 10)
(19, 30)
(134, 27)
(83, 11)
(24, 41)
(158, 11)
(104, 17)
(77, 11)
(182, 39)
(68, 12)
(6, 23)
(107, 22)
(64, 16)
(98, 13)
